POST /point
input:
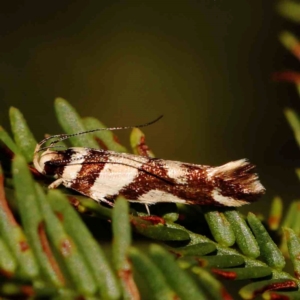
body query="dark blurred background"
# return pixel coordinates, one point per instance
(206, 65)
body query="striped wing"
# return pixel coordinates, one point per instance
(96, 173)
(104, 175)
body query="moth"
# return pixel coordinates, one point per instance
(103, 175)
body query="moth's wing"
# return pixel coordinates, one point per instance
(167, 171)
(103, 175)
(90, 163)
(117, 174)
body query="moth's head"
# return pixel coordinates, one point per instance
(40, 160)
(43, 154)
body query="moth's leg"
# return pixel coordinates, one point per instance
(147, 209)
(55, 183)
(111, 202)
(108, 201)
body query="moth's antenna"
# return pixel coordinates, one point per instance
(61, 137)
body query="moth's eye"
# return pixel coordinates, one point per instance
(53, 163)
(53, 167)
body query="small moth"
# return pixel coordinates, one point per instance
(103, 175)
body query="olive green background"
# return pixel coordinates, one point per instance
(206, 65)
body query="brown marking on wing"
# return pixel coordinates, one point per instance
(238, 182)
(57, 166)
(153, 176)
(91, 168)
